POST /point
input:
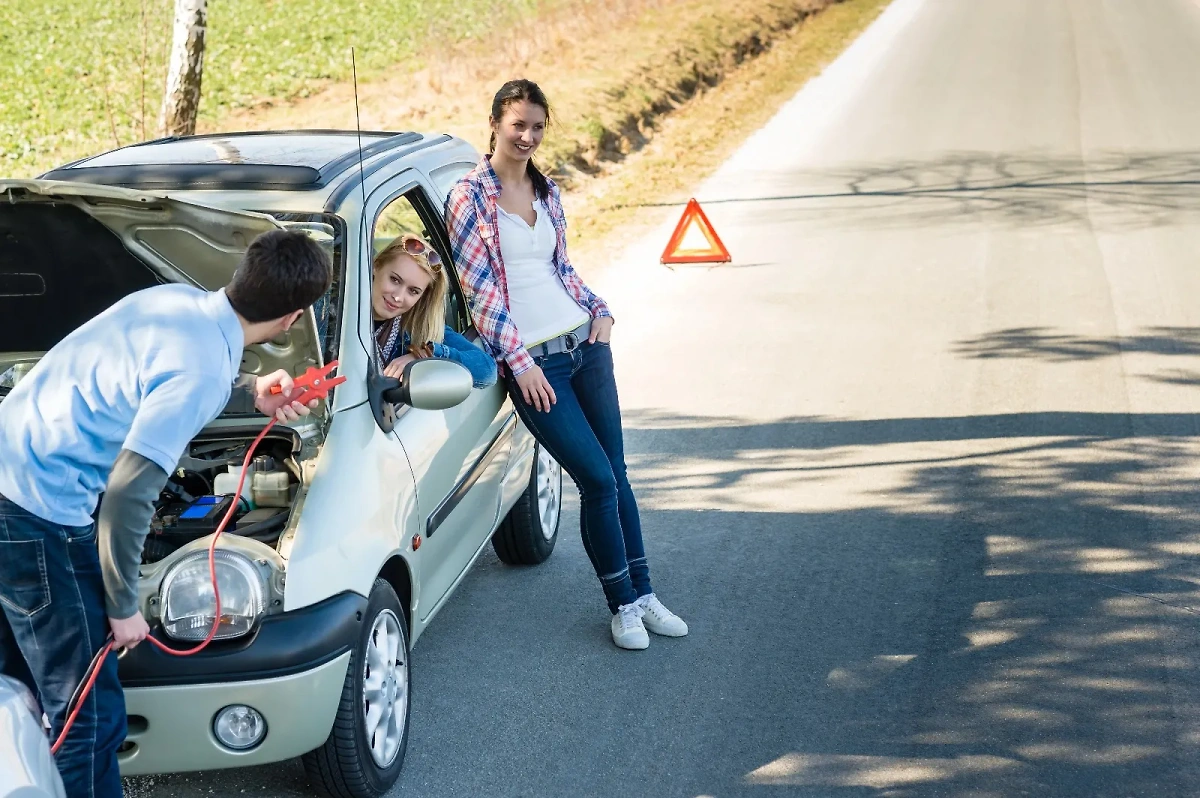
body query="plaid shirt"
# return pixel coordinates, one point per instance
(475, 245)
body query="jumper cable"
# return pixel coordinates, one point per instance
(318, 383)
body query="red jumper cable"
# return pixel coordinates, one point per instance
(317, 382)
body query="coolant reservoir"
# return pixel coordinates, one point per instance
(271, 489)
(225, 484)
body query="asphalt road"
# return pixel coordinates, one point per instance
(918, 467)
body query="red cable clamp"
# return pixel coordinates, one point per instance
(318, 382)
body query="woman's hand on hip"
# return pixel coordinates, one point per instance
(536, 389)
(601, 330)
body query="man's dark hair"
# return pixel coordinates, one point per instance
(282, 271)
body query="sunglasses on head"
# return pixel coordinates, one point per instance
(417, 247)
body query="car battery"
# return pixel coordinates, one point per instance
(195, 519)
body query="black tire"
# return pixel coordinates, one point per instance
(521, 538)
(344, 766)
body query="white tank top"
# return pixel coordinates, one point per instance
(538, 301)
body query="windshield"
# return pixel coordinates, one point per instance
(329, 231)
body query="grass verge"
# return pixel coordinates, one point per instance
(612, 70)
(650, 96)
(663, 92)
(690, 143)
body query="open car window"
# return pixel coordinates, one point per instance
(409, 213)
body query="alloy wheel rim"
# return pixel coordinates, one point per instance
(549, 493)
(385, 688)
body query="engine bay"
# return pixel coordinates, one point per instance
(202, 489)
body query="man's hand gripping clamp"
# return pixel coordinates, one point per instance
(317, 381)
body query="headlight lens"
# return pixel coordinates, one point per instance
(189, 604)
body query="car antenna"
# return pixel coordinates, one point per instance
(358, 129)
(362, 184)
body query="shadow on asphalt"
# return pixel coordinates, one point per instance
(1022, 621)
(1018, 620)
(1117, 191)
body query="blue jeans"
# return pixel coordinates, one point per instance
(53, 622)
(582, 431)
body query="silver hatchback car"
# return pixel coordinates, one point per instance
(360, 520)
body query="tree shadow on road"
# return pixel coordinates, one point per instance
(888, 608)
(1017, 622)
(1052, 346)
(1044, 343)
(1116, 191)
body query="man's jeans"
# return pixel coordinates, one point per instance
(583, 433)
(52, 622)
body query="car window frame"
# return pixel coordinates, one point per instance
(462, 168)
(417, 194)
(436, 222)
(375, 203)
(338, 298)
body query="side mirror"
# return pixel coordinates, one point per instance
(432, 385)
(429, 384)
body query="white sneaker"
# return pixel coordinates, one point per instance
(659, 619)
(627, 629)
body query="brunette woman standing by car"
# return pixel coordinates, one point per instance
(550, 334)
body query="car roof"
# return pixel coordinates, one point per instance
(290, 160)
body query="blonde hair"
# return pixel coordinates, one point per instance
(426, 322)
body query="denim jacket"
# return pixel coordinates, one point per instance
(457, 348)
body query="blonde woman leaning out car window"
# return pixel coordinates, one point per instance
(408, 310)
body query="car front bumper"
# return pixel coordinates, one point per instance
(171, 728)
(291, 669)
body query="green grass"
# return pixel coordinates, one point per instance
(75, 75)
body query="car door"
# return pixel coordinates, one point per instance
(458, 456)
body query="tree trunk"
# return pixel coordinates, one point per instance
(182, 101)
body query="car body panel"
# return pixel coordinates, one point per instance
(341, 543)
(170, 728)
(445, 449)
(366, 497)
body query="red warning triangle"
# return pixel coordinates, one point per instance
(694, 219)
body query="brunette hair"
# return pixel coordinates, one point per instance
(516, 91)
(282, 271)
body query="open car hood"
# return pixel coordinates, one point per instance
(60, 264)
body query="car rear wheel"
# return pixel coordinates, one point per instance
(365, 750)
(528, 533)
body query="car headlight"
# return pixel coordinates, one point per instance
(189, 605)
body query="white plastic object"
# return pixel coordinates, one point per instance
(26, 764)
(226, 484)
(271, 489)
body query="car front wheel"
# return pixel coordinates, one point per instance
(365, 750)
